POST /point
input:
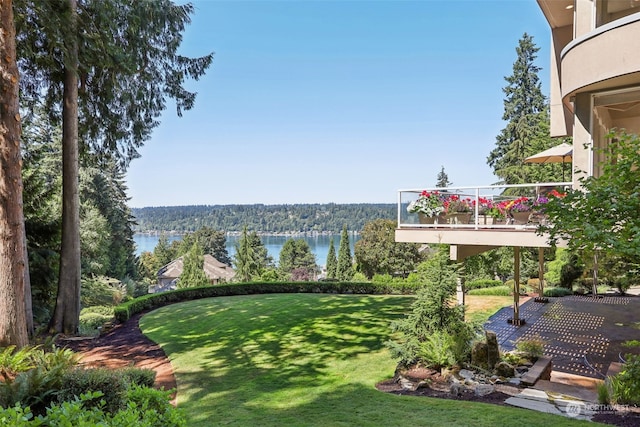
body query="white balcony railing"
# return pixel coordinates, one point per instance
(477, 220)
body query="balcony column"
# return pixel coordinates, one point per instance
(541, 297)
(460, 290)
(516, 286)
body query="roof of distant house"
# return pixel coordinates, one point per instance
(214, 269)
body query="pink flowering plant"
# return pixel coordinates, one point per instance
(430, 203)
(456, 204)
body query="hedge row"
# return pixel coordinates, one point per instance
(125, 311)
(482, 283)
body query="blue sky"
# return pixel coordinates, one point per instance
(318, 101)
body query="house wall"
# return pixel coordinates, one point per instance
(595, 74)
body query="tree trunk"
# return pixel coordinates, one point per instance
(67, 311)
(13, 325)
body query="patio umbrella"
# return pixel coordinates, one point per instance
(562, 153)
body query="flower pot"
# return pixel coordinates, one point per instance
(520, 217)
(459, 218)
(425, 219)
(485, 220)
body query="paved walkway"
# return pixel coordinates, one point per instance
(583, 334)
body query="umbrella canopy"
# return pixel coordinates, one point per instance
(559, 154)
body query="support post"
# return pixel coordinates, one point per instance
(516, 286)
(541, 297)
(460, 290)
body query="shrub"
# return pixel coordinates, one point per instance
(604, 396)
(146, 408)
(102, 291)
(36, 380)
(482, 283)
(495, 291)
(557, 292)
(139, 376)
(154, 404)
(92, 320)
(111, 383)
(437, 350)
(625, 386)
(531, 348)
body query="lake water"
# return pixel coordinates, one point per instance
(319, 245)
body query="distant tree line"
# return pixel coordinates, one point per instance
(262, 218)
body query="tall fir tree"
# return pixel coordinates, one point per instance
(105, 69)
(525, 111)
(344, 270)
(193, 269)
(14, 286)
(245, 258)
(297, 262)
(332, 261)
(443, 179)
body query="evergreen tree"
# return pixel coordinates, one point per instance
(245, 258)
(443, 179)
(14, 283)
(162, 252)
(332, 261)
(105, 69)
(377, 252)
(344, 270)
(297, 262)
(193, 269)
(211, 242)
(434, 333)
(525, 111)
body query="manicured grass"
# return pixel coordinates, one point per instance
(302, 360)
(480, 308)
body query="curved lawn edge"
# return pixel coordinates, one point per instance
(126, 310)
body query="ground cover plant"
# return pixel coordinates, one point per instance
(301, 360)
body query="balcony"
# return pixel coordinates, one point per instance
(476, 232)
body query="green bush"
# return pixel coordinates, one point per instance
(482, 283)
(111, 383)
(495, 291)
(437, 350)
(145, 408)
(91, 321)
(102, 291)
(36, 379)
(155, 405)
(531, 348)
(557, 292)
(139, 376)
(625, 386)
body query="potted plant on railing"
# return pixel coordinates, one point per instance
(519, 209)
(457, 209)
(538, 214)
(487, 211)
(429, 207)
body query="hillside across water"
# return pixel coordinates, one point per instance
(268, 219)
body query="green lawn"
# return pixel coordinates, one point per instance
(302, 360)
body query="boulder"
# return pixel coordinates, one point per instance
(479, 353)
(493, 349)
(505, 370)
(484, 389)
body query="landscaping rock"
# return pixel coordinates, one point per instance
(504, 369)
(484, 389)
(479, 353)
(466, 374)
(493, 349)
